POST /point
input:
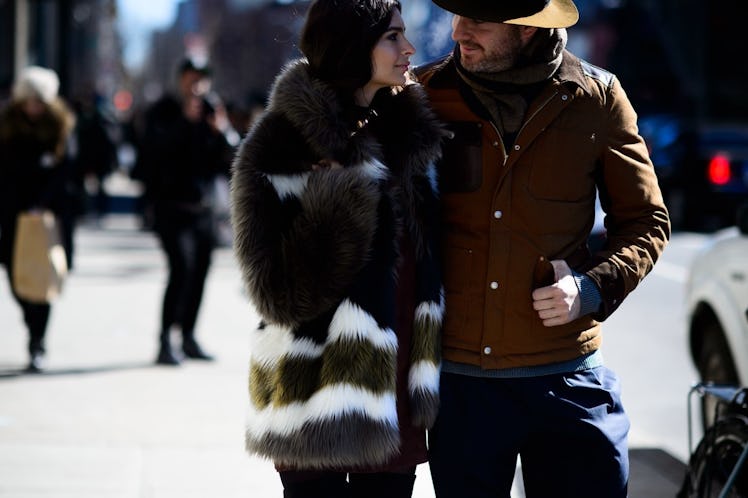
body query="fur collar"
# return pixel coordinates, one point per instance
(314, 108)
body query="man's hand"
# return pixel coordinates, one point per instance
(559, 303)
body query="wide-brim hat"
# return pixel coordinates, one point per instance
(537, 13)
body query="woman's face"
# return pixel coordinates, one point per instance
(390, 59)
(33, 108)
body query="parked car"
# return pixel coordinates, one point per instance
(717, 309)
(702, 169)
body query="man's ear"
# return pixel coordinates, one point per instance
(526, 33)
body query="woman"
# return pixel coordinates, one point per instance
(35, 173)
(334, 210)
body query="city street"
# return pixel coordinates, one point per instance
(105, 422)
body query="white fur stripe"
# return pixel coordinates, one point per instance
(373, 169)
(289, 185)
(430, 310)
(424, 375)
(352, 322)
(268, 345)
(327, 404)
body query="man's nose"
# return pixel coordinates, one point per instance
(458, 28)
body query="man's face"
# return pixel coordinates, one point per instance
(487, 47)
(193, 83)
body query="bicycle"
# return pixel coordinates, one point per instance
(718, 467)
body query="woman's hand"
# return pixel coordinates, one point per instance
(326, 164)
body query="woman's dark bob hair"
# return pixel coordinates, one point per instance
(338, 38)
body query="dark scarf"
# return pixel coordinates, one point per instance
(506, 94)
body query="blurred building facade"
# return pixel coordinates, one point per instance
(662, 50)
(248, 41)
(76, 38)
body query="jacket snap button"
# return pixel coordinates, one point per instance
(487, 350)
(497, 214)
(494, 285)
(516, 147)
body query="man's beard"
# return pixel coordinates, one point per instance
(497, 59)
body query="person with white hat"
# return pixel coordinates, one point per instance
(35, 173)
(536, 132)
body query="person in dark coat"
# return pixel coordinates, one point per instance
(335, 216)
(182, 152)
(96, 156)
(35, 174)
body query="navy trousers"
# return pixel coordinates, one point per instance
(569, 429)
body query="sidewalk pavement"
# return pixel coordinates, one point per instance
(105, 422)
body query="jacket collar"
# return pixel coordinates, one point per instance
(571, 72)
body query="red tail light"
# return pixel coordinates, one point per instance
(719, 170)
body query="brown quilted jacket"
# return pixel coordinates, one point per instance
(503, 209)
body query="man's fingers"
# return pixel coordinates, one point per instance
(553, 310)
(554, 316)
(543, 293)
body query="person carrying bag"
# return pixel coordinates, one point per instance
(36, 199)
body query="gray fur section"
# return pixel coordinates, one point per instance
(351, 442)
(424, 406)
(293, 275)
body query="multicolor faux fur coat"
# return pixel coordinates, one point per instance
(319, 252)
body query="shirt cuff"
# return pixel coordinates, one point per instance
(589, 294)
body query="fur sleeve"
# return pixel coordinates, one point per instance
(300, 236)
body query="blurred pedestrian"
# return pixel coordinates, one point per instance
(182, 152)
(537, 132)
(96, 152)
(335, 215)
(36, 173)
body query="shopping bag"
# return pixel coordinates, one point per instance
(39, 263)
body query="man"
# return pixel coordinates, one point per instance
(184, 148)
(535, 131)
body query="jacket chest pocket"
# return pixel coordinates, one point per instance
(562, 165)
(460, 169)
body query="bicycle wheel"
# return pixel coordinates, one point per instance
(714, 459)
